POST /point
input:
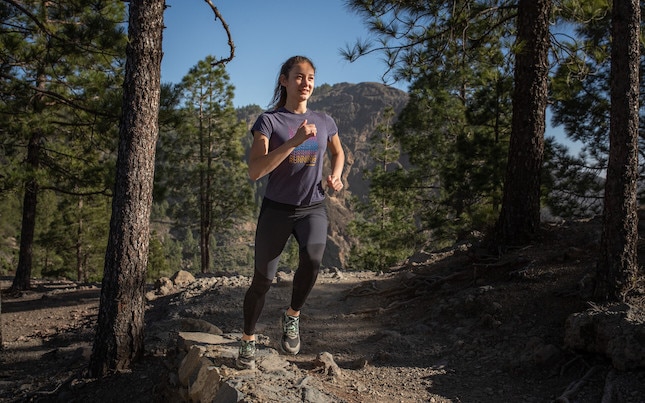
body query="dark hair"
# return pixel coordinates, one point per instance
(280, 93)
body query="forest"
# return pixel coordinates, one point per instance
(111, 176)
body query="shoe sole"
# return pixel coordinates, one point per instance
(242, 365)
(284, 350)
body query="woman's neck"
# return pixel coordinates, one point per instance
(297, 107)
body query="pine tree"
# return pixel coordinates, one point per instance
(386, 223)
(519, 219)
(206, 158)
(596, 93)
(580, 94)
(158, 265)
(61, 69)
(572, 185)
(618, 273)
(421, 39)
(76, 236)
(119, 337)
(455, 128)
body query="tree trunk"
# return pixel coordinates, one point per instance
(119, 338)
(205, 148)
(80, 268)
(519, 219)
(204, 221)
(22, 279)
(617, 270)
(208, 208)
(1, 342)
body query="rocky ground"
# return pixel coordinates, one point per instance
(449, 326)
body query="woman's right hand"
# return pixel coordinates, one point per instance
(304, 132)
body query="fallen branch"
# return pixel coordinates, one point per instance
(565, 367)
(608, 390)
(575, 386)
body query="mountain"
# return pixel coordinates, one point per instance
(357, 110)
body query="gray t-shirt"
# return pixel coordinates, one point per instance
(298, 179)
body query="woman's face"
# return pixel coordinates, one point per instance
(300, 82)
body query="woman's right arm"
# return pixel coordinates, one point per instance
(262, 162)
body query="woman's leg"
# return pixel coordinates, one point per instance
(254, 303)
(273, 231)
(311, 233)
(310, 230)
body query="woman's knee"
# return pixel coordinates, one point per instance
(311, 255)
(259, 285)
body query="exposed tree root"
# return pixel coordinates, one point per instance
(393, 306)
(406, 292)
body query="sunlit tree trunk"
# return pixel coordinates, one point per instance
(120, 331)
(617, 270)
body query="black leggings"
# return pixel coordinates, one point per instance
(275, 224)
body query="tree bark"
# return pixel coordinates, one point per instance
(22, 279)
(205, 159)
(519, 219)
(119, 338)
(617, 269)
(1, 325)
(80, 267)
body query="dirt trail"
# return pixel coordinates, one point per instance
(451, 326)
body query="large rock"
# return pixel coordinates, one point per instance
(616, 331)
(206, 373)
(182, 278)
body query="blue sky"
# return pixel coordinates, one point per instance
(265, 34)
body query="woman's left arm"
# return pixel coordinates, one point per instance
(337, 163)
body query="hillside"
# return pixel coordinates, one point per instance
(357, 109)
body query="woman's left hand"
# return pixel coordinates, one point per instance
(334, 182)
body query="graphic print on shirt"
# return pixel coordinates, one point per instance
(306, 153)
